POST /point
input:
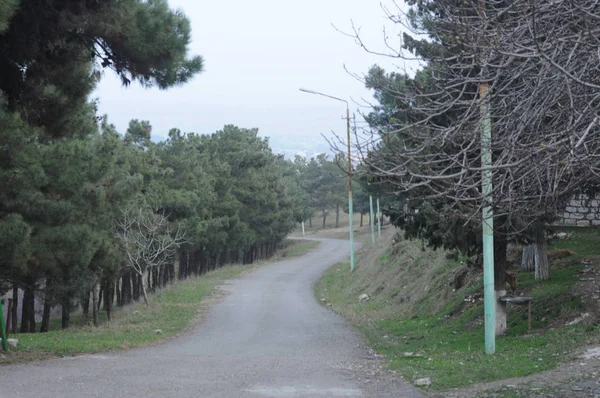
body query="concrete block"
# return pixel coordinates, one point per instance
(12, 342)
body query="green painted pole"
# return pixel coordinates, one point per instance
(3, 327)
(489, 293)
(302, 228)
(378, 219)
(372, 219)
(350, 209)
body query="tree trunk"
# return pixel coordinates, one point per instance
(361, 219)
(45, 326)
(136, 286)
(183, 260)
(161, 276)
(95, 304)
(85, 307)
(118, 291)
(108, 297)
(66, 314)
(310, 222)
(500, 248)
(542, 268)
(337, 216)
(324, 218)
(149, 274)
(144, 293)
(100, 296)
(14, 320)
(528, 258)
(28, 311)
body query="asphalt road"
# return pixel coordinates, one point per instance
(267, 338)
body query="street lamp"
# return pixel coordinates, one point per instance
(350, 210)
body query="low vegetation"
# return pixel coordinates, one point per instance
(403, 298)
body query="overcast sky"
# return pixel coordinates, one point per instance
(257, 55)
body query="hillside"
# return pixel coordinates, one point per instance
(423, 310)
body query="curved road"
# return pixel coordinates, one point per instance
(267, 338)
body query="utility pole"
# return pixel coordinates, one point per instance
(378, 219)
(489, 294)
(350, 209)
(372, 219)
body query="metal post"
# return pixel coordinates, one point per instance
(372, 219)
(350, 209)
(302, 228)
(3, 327)
(489, 293)
(378, 219)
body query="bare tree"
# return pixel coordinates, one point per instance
(539, 59)
(149, 242)
(534, 65)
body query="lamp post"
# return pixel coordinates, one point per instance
(350, 210)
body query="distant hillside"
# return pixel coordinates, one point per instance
(292, 146)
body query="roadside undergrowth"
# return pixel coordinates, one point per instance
(403, 298)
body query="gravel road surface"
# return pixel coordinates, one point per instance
(268, 337)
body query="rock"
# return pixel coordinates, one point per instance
(363, 297)
(577, 388)
(158, 331)
(136, 312)
(423, 382)
(12, 342)
(591, 353)
(562, 235)
(577, 320)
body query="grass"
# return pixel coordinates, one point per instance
(447, 340)
(172, 310)
(584, 241)
(297, 248)
(317, 221)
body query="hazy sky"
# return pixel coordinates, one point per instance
(257, 55)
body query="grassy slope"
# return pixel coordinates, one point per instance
(171, 310)
(413, 309)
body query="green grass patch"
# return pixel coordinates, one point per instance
(449, 342)
(172, 310)
(583, 241)
(297, 248)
